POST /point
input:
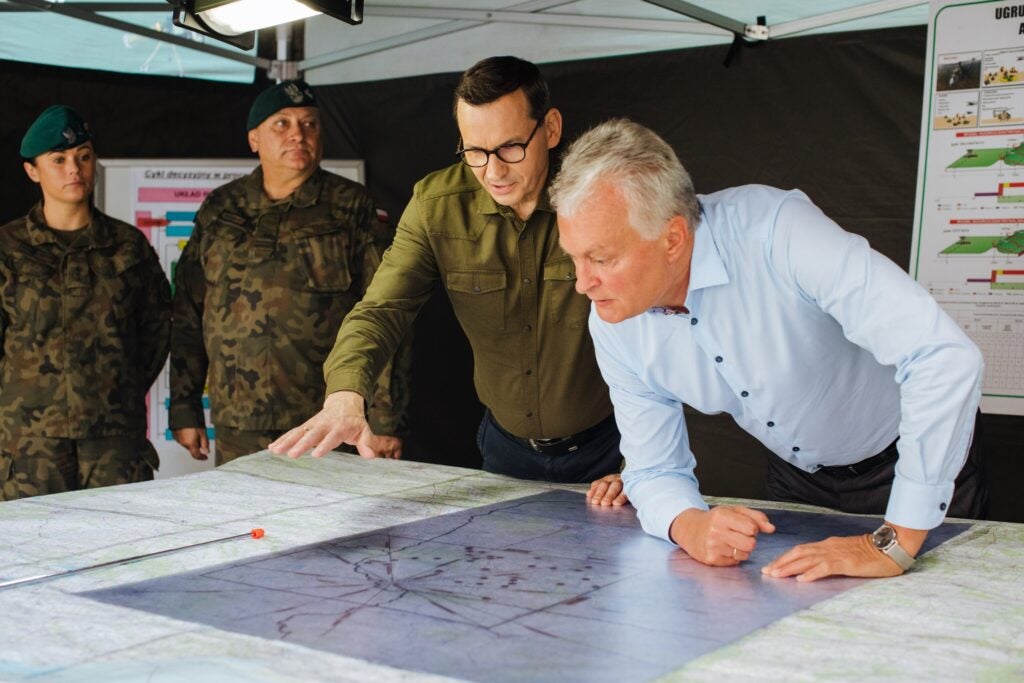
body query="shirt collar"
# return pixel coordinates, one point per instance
(97, 233)
(706, 266)
(308, 192)
(304, 195)
(485, 202)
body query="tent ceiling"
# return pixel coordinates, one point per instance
(411, 37)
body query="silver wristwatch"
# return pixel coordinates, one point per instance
(884, 538)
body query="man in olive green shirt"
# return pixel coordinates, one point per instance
(484, 227)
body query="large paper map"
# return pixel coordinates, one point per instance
(538, 588)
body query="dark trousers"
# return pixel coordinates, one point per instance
(504, 453)
(864, 488)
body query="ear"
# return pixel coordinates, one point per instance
(31, 171)
(254, 141)
(553, 126)
(678, 238)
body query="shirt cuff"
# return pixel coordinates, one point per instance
(918, 506)
(659, 502)
(349, 381)
(384, 422)
(183, 415)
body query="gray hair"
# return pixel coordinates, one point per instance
(640, 164)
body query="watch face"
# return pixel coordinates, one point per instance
(884, 537)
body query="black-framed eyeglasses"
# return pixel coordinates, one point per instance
(510, 152)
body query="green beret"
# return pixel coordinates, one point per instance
(277, 97)
(58, 127)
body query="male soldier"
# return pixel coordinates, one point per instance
(276, 260)
(484, 227)
(85, 318)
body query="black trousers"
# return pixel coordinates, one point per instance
(503, 453)
(865, 489)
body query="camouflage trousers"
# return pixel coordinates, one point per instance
(38, 465)
(234, 443)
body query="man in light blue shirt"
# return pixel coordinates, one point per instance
(751, 301)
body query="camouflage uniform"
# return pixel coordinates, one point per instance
(260, 291)
(84, 329)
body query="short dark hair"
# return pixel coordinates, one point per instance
(494, 77)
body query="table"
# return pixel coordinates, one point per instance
(959, 615)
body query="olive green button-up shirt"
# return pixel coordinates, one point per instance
(512, 288)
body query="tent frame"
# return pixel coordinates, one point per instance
(698, 20)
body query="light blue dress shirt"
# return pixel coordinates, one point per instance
(817, 345)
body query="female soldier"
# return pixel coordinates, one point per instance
(84, 327)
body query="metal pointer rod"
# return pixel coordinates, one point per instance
(255, 533)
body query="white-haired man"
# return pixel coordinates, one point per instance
(751, 301)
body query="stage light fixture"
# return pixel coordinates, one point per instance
(236, 21)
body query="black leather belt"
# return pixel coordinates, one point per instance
(562, 445)
(864, 466)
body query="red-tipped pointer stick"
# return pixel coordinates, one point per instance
(255, 533)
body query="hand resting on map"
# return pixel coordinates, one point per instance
(726, 535)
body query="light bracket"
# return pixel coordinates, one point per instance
(188, 15)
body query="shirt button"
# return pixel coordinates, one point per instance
(522, 236)
(718, 359)
(744, 394)
(693, 321)
(796, 449)
(529, 414)
(527, 328)
(942, 506)
(529, 372)
(526, 280)
(569, 276)
(476, 289)
(770, 423)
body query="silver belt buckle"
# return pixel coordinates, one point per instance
(537, 444)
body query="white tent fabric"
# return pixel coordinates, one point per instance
(413, 37)
(140, 39)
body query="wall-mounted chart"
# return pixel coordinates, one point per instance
(968, 249)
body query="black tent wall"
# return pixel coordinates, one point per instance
(835, 115)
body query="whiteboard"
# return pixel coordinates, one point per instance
(160, 197)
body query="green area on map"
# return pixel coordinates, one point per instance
(1014, 244)
(980, 158)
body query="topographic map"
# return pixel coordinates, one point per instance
(541, 587)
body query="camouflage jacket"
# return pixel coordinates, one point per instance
(260, 292)
(84, 329)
